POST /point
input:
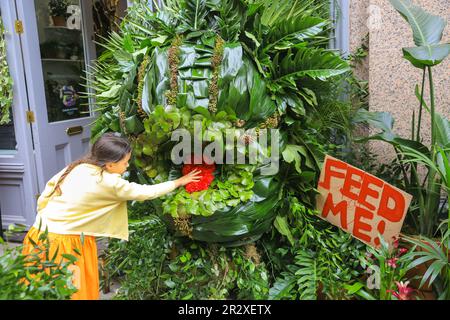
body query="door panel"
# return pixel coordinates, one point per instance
(56, 53)
(18, 182)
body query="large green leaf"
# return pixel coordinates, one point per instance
(427, 55)
(427, 28)
(161, 69)
(294, 30)
(308, 62)
(261, 105)
(385, 122)
(147, 92)
(248, 220)
(442, 131)
(427, 33)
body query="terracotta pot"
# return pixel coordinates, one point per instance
(59, 21)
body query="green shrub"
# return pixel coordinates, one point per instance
(47, 280)
(154, 264)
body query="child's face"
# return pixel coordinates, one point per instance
(118, 167)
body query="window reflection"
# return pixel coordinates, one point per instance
(60, 31)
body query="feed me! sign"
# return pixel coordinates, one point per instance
(360, 203)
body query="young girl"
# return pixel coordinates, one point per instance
(89, 197)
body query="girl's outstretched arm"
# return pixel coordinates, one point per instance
(125, 190)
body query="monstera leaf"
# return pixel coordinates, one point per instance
(427, 32)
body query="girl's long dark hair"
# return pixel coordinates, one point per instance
(108, 148)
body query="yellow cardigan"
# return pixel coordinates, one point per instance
(91, 203)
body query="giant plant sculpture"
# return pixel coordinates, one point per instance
(228, 65)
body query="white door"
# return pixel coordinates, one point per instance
(18, 181)
(56, 51)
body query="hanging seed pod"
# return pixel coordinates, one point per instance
(183, 225)
(215, 62)
(141, 76)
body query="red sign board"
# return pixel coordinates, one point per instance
(360, 203)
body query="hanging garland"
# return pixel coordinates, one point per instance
(6, 83)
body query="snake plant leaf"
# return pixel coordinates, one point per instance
(429, 55)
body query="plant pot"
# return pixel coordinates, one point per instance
(59, 21)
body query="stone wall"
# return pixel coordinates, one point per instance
(392, 79)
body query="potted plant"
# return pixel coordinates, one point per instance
(58, 11)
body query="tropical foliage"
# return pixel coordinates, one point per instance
(427, 32)
(156, 265)
(34, 276)
(212, 66)
(431, 190)
(231, 66)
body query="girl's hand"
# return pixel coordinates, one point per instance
(193, 176)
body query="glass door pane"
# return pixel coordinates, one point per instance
(8, 143)
(7, 135)
(61, 39)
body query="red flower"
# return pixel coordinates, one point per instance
(402, 251)
(206, 170)
(403, 291)
(395, 243)
(392, 262)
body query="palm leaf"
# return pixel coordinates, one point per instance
(318, 64)
(294, 30)
(231, 19)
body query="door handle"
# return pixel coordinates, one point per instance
(74, 130)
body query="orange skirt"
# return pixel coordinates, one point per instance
(85, 270)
